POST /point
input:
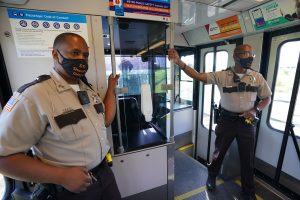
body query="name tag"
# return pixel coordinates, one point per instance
(72, 117)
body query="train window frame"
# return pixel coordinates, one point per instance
(127, 62)
(216, 92)
(179, 102)
(275, 79)
(184, 78)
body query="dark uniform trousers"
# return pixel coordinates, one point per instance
(228, 128)
(105, 188)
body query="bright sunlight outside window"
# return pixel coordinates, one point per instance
(186, 82)
(2, 186)
(221, 64)
(288, 59)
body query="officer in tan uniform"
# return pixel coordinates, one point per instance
(239, 88)
(63, 120)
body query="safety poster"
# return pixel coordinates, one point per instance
(35, 31)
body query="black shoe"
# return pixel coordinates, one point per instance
(211, 183)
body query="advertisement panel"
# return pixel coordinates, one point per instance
(154, 8)
(224, 28)
(274, 13)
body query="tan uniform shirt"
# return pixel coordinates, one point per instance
(31, 123)
(239, 101)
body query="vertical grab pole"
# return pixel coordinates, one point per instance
(114, 71)
(172, 82)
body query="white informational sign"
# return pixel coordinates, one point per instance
(35, 31)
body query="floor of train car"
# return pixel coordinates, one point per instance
(190, 179)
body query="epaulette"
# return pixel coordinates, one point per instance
(39, 79)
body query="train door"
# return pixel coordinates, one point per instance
(211, 59)
(277, 152)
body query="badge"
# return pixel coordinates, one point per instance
(96, 98)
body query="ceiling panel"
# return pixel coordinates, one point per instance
(197, 13)
(236, 5)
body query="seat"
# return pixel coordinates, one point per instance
(131, 117)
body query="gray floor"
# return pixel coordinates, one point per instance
(190, 178)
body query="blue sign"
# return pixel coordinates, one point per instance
(45, 16)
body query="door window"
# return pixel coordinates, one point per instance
(186, 82)
(284, 81)
(221, 64)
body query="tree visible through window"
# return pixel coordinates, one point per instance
(288, 60)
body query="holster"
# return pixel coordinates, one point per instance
(217, 112)
(42, 192)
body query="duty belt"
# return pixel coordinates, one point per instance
(53, 188)
(229, 114)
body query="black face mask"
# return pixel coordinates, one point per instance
(74, 67)
(246, 62)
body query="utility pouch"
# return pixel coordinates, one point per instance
(217, 111)
(41, 192)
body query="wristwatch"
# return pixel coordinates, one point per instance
(257, 109)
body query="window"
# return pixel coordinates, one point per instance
(284, 81)
(186, 82)
(221, 64)
(140, 58)
(2, 186)
(134, 72)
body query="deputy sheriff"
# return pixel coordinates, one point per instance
(63, 120)
(239, 88)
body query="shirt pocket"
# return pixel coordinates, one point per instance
(71, 130)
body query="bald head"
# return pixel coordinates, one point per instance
(243, 47)
(243, 57)
(63, 38)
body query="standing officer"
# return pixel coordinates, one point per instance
(63, 120)
(239, 87)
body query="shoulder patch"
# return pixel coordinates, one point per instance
(37, 80)
(11, 103)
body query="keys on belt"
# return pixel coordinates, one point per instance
(94, 179)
